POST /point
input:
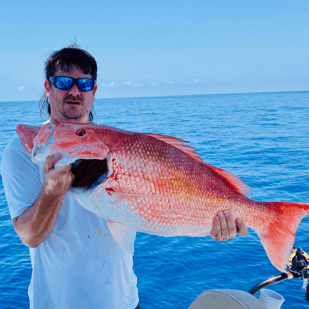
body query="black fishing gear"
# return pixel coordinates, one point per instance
(298, 268)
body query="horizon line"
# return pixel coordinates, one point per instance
(177, 95)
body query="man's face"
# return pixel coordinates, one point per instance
(70, 105)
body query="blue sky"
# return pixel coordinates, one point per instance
(157, 48)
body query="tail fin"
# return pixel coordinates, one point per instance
(278, 238)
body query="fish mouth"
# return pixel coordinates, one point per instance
(89, 173)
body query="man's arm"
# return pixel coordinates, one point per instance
(37, 222)
(226, 227)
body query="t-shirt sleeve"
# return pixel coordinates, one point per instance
(20, 177)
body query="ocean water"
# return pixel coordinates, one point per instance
(260, 137)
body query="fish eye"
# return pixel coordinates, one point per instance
(81, 132)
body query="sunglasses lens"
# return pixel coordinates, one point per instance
(64, 83)
(85, 84)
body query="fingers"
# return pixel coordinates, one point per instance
(63, 170)
(241, 227)
(51, 161)
(216, 229)
(231, 226)
(57, 181)
(224, 227)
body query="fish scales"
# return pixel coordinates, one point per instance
(157, 184)
(164, 173)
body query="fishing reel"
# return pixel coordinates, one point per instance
(298, 268)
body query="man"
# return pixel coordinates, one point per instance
(75, 261)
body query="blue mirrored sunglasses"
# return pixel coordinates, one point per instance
(66, 83)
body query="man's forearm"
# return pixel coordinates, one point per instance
(36, 223)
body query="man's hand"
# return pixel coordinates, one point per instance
(37, 221)
(57, 181)
(225, 227)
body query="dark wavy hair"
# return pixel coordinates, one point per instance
(65, 59)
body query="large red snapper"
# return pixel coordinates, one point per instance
(158, 185)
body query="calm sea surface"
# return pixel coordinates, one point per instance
(263, 138)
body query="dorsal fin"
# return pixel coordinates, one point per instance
(178, 143)
(237, 184)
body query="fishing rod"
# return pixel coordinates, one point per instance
(298, 268)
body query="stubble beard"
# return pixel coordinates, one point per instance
(69, 116)
(68, 113)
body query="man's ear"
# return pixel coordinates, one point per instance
(47, 87)
(95, 89)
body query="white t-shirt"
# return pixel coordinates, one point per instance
(79, 265)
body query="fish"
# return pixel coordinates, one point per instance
(159, 185)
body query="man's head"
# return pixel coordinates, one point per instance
(67, 102)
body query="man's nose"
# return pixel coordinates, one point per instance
(75, 91)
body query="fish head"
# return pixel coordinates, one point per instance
(72, 141)
(81, 141)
